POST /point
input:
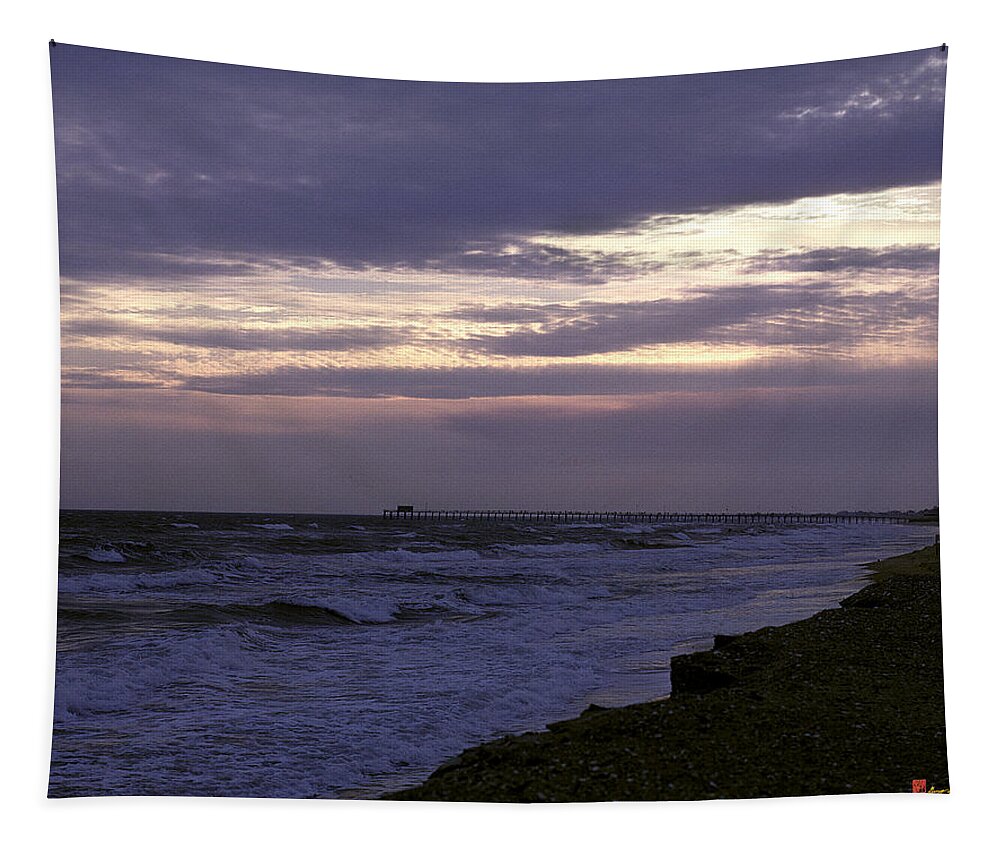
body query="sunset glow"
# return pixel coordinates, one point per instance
(350, 265)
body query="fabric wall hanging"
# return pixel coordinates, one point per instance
(420, 438)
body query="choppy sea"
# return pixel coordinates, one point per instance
(342, 656)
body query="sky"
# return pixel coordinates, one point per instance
(288, 292)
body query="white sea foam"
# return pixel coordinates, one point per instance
(117, 582)
(117, 682)
(406, 556)
(105, 554)
(360, 608)
(551, 550)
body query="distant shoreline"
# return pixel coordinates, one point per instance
(850, 700)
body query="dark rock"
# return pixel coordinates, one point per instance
(593, 708)
(698, 673)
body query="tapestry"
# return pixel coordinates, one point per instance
(504, 442)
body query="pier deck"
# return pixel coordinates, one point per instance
(739, 519)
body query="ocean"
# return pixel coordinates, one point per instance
(348, 656)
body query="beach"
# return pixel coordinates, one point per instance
(850, 700)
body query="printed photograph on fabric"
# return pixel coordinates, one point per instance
(557, 441)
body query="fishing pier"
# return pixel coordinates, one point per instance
(408, 512)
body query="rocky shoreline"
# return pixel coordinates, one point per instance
(850, 700)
